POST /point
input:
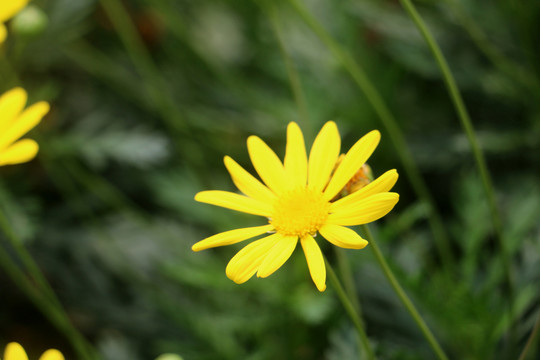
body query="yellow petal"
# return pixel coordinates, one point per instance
(11, 105)
(234, 201)
(342, 236)
(365, 211)
(323, 156)
(383, 183)
(246, 262)
(3, 33)
(247, 183)
(315, 262)
(52, 354)
(20, 152)
(8, 8)
(267, 164)
(277, 256)
(354, 159)
(26, 122)
(231, 237)
(295, 156)
(14, 351)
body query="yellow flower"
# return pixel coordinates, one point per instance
(8, 8)
(15, 351)
(298, 202)
(14, 123)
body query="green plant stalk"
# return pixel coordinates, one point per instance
(294, 78)
(466, 123)
(389, 122)
(50, 309)
(143, 62)
(530, 340)
(498, 59)
(403, 296)
(102, 67)
(350, 309)
(27, 260)
(348, 279)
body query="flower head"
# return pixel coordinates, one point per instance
(8, 9)
(299, 199)
(14, 351)
(15, 121)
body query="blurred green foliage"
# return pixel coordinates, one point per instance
(148, 96)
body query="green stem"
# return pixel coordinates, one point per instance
(156, 87)
(403, 296)
(350, 309)
(503, 63)
(50, 309)
(28, 262)
(348, 278)
(530, 340)
(389, 122)
(466, 123)
(294, 78)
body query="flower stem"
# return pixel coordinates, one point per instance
(28, 262)
(348, 278)
(388, 120)
(50, 308)
(403, 296)
(531, 338)
(154, 82)
(497, 57)
(350, 309)
(466, 123)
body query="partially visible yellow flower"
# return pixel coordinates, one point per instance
(169, 357)
(298, 201)
(15, 122)
(8, 8)
(14, 351)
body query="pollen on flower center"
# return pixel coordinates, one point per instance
(299, 212)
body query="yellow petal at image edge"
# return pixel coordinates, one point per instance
(342, 236)
(315, 261)
(3, 33)
(12, 104)
(354, 159)
(323, 156)
(277, 256)
(234, 201)
(52, 354)
(364, 211)
(25, 122)
(14, 351)
(247, 183)
(20, 152)
(267, 164)
(246, 262)
(8, 8)
(231, 237)
(295, 156)
(383, 183)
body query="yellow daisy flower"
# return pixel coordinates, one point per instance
(8, 8)
(15, 121)
(15, 351)
(299, 202)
